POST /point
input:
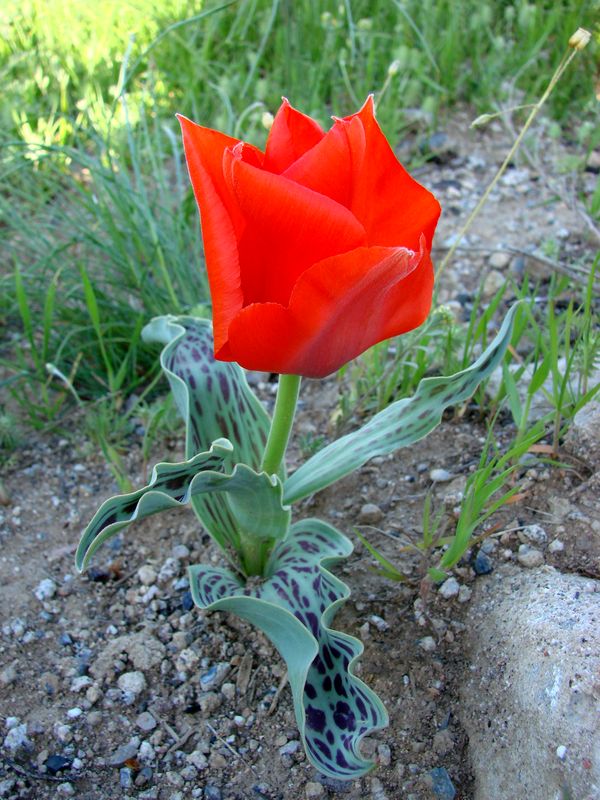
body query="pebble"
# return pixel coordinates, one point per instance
(16, 738)
(290, 748)
(180, 551)
(464, 594)
(65, 789)
(55, 763)
(169, 570)
(443, 742)
(449, 588)
(214, 676)
(125, 778)
(212, 792)
(73, 713)
(146, 753)
(313, 789)
(561, 752)
(45, 590)
(442, 786)
(377, 790)
(530, 557)
(427, 643)
(379, 623)
(533, 534)
(499, 260)
(384, 755)
(494, 281)
(147, 575)
(63, 733)
(80, 683)
(198, 760)
(131, 684)
(124, 753)
(482, 563)
(146, 722)
(556, 546)
(143, 777)
(440, 475)
(8, 675)
(370, 514)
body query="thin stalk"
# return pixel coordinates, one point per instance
(564, 63)
(281, 425)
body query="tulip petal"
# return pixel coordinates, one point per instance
(291, 135)
(289, 228)
(220, 218)
(339, 308)
(327, 167)
(392, 206)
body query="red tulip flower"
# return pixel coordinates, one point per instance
(317, 248)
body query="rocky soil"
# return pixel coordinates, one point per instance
(112, 685)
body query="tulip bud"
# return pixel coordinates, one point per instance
(267, 120)
(394, 68)
(580, 39)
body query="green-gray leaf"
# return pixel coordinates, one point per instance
(214, 399)
(400, 424)
(252, 499)
(295, 606)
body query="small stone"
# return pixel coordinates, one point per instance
(17, 738)
(131, 684)
(494, 281)
(169, 570)
(499, 260)
(11, 722)
(530, 557)
(427, 643)
(124, 753)
(228, 690)
(482, 563)
(442, 786)
(180, 551)
(464, 594)
(146, 753)
(533, 534)
(289, 748)
(80, 683)
(214, 676)
(187, 602)
(384, 755)
(8, 675)
(212, 792)
(449, 588)
(379, 623)
(370, 514)
(561, 752)
(125, 778)
(556, 546)
(73, 713)
(63, 733)
(198, 760)
(146, 575)
(377, 790)
(144, 777)
(45, 590)
(55, 763)
(312, 790)
(145, 722)
(189, 773)
(443, 743)
(65, 789)
(209, 702)
(440, 475)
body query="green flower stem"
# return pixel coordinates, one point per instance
(281, 425)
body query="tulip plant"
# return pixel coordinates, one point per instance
(315, 250)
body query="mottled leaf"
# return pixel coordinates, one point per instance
(214, 399)
(400, 424)
(253, 500)
(295, 606)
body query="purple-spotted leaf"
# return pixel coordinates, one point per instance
(253, 501)
(400, 424)
(214, 399)
(295, 605)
